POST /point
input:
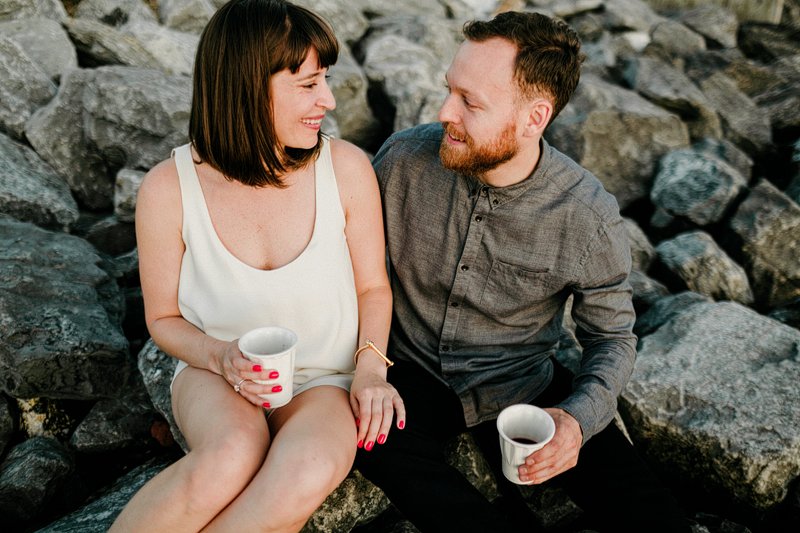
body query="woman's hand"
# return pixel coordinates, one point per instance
(374, 402)
(241, 374)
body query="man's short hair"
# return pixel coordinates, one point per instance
(549, 57)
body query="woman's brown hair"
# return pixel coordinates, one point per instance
(231, 124)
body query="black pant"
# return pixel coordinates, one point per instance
(610, 483)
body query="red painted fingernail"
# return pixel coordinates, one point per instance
(360, 443)
(256, 368)
(265, 405)
(381, 439)
(369, 446)
(274, 374)
(358, 422)
(277, 388)
(401, 424)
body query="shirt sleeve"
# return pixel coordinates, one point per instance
(603, 312)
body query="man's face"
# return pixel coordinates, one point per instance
(480, 115)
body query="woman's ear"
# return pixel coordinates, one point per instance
(540, 111)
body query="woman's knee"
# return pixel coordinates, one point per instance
(225, 464)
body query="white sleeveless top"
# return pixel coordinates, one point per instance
(314, 295)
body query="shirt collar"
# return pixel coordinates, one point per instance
(500, 195)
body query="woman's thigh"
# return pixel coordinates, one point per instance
(317, 426)
(207, 410)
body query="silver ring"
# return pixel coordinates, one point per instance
(238, 386)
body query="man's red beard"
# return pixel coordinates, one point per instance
(476, 160)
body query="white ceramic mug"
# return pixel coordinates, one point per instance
(523, 429)
(273, 347)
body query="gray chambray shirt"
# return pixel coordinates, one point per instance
(480, 277)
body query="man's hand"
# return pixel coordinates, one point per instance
(558, 455)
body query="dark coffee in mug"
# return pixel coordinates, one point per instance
(523, 440)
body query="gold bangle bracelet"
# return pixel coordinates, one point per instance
(368, 344)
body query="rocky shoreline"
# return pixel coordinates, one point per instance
(689, 116)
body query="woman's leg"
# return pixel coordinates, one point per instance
(313, 447)
(228, 438)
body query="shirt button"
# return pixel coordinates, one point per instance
(445, 348)
(495, 201)
(478, 218)
(464, 267)
(453, 304)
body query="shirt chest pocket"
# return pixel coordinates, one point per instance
(520, 296)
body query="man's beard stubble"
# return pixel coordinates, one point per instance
(477, 160)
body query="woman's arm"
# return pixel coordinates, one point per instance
(159, 220)
(373, 400)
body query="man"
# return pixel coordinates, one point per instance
(489, 231)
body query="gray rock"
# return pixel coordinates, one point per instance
(728, 152)
(789, 314)
(24, 87)
(20, 9)
(30, 190)
(116, 423)
(100, 44)
(43, 417)
(135, 117)
(108, 234)
(115, 13)
(782, 104)
(7, 424)
(374, 9)
(630, 15)
(696, 185)
(665, 309)
(768, 42)
(768, 223)
(697, 401)
(704, 267)
(405, 72)
(56, 133)
(742, 121)
(126, 187)
(31, 476)
(353, 114)
(642, 250)
(45, 41)
(642, 133)
(60, 317)
(668, 87)
(156, 369)
(173, 50)
(346, 18)
(190, 16)
(98, 515)
(672, 38)
(714, 22)
(646, 291)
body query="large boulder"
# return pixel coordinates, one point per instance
(135, 117)
(642, 133)
(30, 190)
(768, 225)
(60, 316)
(696, 402)
(57, 134)
(24, 87)
(45, 42)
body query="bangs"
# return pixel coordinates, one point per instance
(305, 30)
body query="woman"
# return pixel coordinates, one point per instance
(262, 220)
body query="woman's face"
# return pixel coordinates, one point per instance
(300, 101)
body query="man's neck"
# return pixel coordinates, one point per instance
(516, 169)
